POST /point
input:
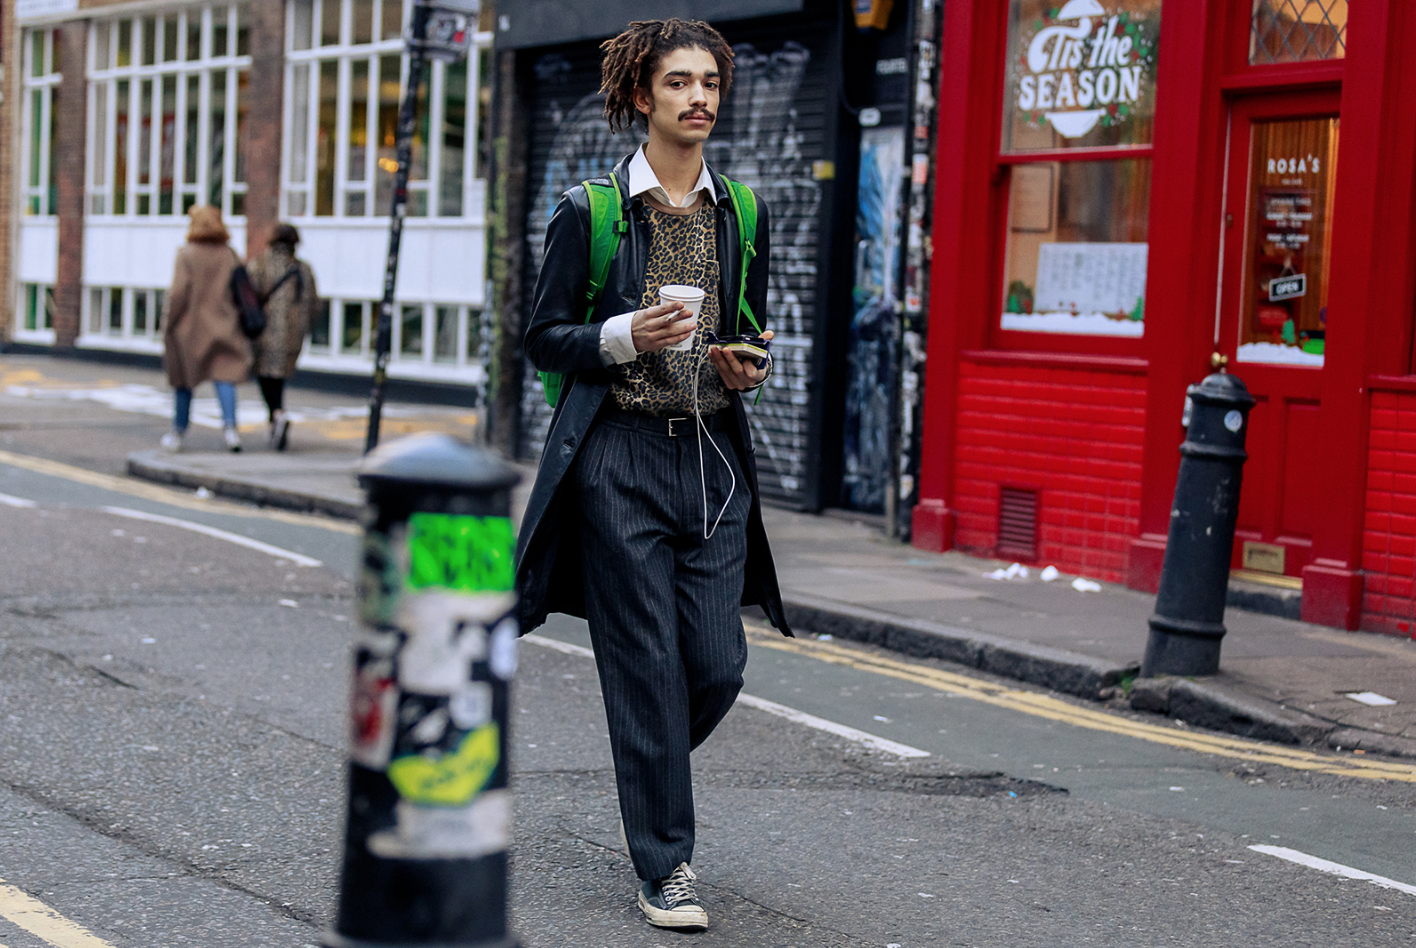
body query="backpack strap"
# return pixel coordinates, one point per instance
(745, 210)
(607, 226)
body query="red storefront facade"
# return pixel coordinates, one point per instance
(1130, 192)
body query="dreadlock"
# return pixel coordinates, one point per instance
(632, 57)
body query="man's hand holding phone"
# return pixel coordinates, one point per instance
(739, 370)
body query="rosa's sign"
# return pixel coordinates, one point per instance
(1085, 66)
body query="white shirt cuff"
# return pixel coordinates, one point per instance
(617, 340)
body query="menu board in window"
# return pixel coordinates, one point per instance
(1283, 317)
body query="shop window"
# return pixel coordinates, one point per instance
(346, 75)
(40, 189)
(1288, 249)
(1293, 31)
(1080, 75)
(168, 93)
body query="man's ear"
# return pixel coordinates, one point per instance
(643, 101)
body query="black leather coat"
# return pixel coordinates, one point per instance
(558, 339)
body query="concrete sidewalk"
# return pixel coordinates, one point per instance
(1282, 680)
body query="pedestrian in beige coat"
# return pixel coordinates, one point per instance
(201, 334)
(287, 285)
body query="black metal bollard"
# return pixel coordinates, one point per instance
(429, 819)
(1188, 623)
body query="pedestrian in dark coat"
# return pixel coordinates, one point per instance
(645, 518)
(287, 285)
(201, 331)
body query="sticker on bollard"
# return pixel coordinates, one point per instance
(429, 817)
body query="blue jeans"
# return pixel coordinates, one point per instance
(182, 405)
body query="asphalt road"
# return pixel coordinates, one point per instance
(172, 684)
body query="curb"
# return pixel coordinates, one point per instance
(1212, 705)
(1388, 745)
(1064, 671)
(145, 466)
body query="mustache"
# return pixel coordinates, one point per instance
(691, 113)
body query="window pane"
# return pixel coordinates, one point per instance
(158, 296)
(216, 151)
(103, 46)
(31, 306)
(243, 106)
(1083, 81)
(356, 204)
(193, 131)
(391, 19)
(125, 43)
(324, 152)
(329, 22)
(483, 129)
(387, 131)
(319, 327)
(168, 156)
(95, 310)
(410, 337)
(1288, 241)
(169, 39)
(353, 340)
(243, 31)
(1076, 256)
(363, 22)
(49, 307)
(445, 334)
(56, 50)
(100, 135)
(220, 31)
(418, 167)
(149, 40)
(37, 53)
(36, 135)
(304, 24)
(454, 140)
(120, 149)
(1290, 31)
(145, 131)
(115, 311)
(299, 122)
(140, 311)
(53, 157)
(194, 35)
(358, 119)
(295, 203)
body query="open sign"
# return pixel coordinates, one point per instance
(1288, 287)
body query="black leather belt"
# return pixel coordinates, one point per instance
(674, 427)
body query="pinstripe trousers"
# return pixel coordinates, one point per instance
(663, 609)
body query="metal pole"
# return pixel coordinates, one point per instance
(429, 812)
(407, 120)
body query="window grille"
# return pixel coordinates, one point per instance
(1293, 31)
(1017, 523)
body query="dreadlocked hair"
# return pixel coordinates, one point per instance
(632, 57)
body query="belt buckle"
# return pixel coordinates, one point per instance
(672, 422)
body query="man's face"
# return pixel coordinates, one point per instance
(682, 103)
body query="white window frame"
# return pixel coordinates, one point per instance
(43, 196)
(103, 72)
(299, 196)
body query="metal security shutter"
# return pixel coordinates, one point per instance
(769, 137)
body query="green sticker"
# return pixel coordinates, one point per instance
(450, 779)
(473, 554)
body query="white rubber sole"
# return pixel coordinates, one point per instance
(694, 918)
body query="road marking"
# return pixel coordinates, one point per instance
(10, 501)
(299, 559)
(771, 707)
(1336, 868)
(43, 922)
(1045, 706)
(173, 497)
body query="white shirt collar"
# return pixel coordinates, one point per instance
(642, 180)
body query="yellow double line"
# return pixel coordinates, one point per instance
(1054, 709)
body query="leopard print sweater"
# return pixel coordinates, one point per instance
(682, 250)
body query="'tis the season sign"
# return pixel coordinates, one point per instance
(1084, 66)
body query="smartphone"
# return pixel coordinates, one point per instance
(752, 349)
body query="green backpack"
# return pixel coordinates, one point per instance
(607, 225)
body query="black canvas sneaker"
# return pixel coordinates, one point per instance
(671, 902)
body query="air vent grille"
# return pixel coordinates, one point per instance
(1017, 523)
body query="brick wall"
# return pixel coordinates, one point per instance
(1389, 526)
(1073, 434)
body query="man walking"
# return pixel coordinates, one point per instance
(644, 518)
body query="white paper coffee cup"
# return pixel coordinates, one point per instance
(692, 299)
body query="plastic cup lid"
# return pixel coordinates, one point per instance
(685, 293)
